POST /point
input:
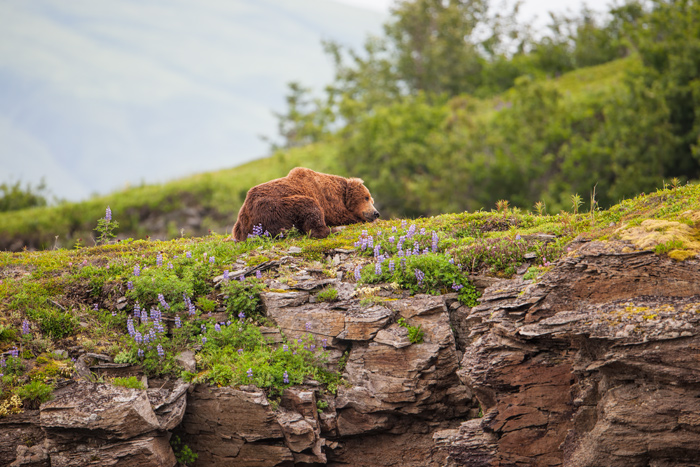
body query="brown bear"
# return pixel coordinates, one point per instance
(310, 201)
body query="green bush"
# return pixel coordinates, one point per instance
(242, 297)
(131, 382)
(35, 393)
(56, 324)
(415, 333)
(329, 294)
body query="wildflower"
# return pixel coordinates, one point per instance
(456, 287)
(226, 275)
(420, 275)
(434, 245)
(137, 310)
(25, 327)
(211, 260)
(258, 274)
(130, 285)
(137, 270)
(312, 347)
(138, 337)
(130, 326)
(425, 251)
(241, 316)
(108, 214)
(411, 231)
(308, 326)
(241, 278)
(378, 269)
(324, 343)
(358, 276)
(144, 317)
(403, 224)
(422, 231)
(392, 239)
(285, 378)
(161, 352)
(3, 363)
(370, 242)
(517, 237)
(217, 328)
(240, 351)
(159, 259)
(156, 314)
(159, 327)
(377, 249)
(140, 353)
(391, 266)
(192, 309)
(95, 307)
(249, 372)
(178, 323)
(162, 301)
(188, 254)
(403, 263)
(204, 340)
(152, 334)
(170, 265)
(114, 312)
(451, 261)
(204, 328)
(285, 348)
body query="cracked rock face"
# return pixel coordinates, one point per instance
(597, 364)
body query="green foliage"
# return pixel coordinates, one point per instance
(7, 334)
(55, 323)
(415, 333)
(183, 454)
(665, 248)
(131, 382)
(242, 297)
(13, 366)
(329, 294)
(13, 197)
(35, 393)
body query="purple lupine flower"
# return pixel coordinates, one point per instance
(203, 327)
(425, 251)
(285, 348)
(108, 214)
(422, 231)
(324, 343)
(14, 352)
(308, 326)
(258, 274)
(130, 285)
(204, 340)
(358, 276)
(144, 317)
(392, 239)
(312, 347)
(411, 231)
(138, 337)
(403, 263)
(241, 316)
(420, 275)
(285, 377)
(378, 268)
(146, 339)
(159, 259)
(137, 270)
(451, 261)
(170, 265)
(363, 243)
(456, 287)
(240, 351)
(226, 275)
(416, 249)
(377, 248)
(152, 334)
(212, 260)
(249, 372)
(137, 310)
(3, 363)
(25, 327)
(370, 242)
(140, 353)
(192, 310)
(162, 301)
(518, 237)
(188, 254)
(391, 266)
(159, 327)
(217, 328)
(161, 352)
(114, 312)
(241, 278)
(435, 242)
(178, 323)
(95, 307)
(130, 326)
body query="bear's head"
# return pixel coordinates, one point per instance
(359, 201)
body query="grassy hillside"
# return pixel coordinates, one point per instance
(56, 304)
(210, 201)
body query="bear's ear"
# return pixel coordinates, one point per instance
(356, 181)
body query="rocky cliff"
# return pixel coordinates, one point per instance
(595, 363)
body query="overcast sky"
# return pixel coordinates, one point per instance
(533, 11)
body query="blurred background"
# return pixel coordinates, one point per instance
(96, 96)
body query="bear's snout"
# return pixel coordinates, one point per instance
(371, 215)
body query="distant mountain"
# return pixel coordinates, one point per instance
(97, 95)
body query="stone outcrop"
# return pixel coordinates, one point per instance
(595, 363)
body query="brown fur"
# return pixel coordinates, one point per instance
(310, 201)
